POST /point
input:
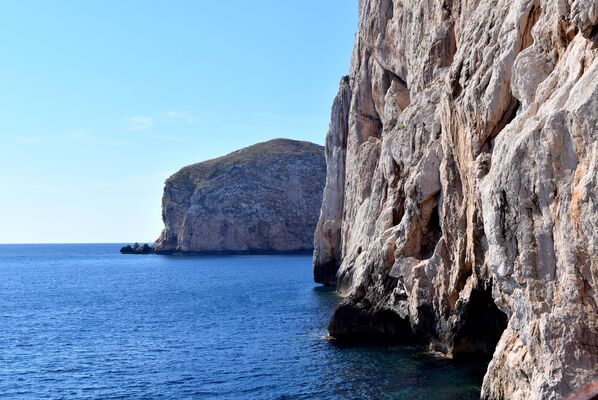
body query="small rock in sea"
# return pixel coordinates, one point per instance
(137, 249)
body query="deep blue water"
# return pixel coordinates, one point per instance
(83, 321)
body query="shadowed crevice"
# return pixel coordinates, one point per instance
(355, 322)
(479, 326)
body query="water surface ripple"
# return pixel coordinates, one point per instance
(83, 321)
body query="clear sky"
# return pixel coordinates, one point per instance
(100, 101)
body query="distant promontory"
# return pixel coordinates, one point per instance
(261, 199)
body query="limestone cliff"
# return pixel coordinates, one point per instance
(261, 199)
(461, 203)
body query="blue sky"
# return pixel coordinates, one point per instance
(101, 101)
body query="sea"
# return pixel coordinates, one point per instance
(85, 322)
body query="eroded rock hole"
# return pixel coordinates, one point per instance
(355, 322)
(390, 10)
(397, 213)
(593, 36)
(508, 116)
(527, 38)
(398, 210)
(479, 326)
(325, 274)
(431, 229)
(386, 81)
(456, 88)
(398, 86)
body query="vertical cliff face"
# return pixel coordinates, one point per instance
(461, 201)
(327, 237)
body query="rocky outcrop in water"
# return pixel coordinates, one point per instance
(262, 199)
(461, 200)
(137, 249)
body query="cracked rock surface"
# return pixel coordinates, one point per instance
(461, 199)
(261, 199)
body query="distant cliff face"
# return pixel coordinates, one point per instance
(264, 198)
(461, 204)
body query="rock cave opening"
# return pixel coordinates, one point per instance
(355, 324)
(481, 325)
(431, 233)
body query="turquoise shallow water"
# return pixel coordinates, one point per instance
(83, 321)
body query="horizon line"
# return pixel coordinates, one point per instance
(59, 243)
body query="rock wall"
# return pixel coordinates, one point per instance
(327, 237)
(461, 203)
(261, 199)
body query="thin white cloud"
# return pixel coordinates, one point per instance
(145, 122)
(125, 184)
(171, 116)
(139, 123)
(28, 140)
(174, 115)
(84, 136)
(80, 135)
